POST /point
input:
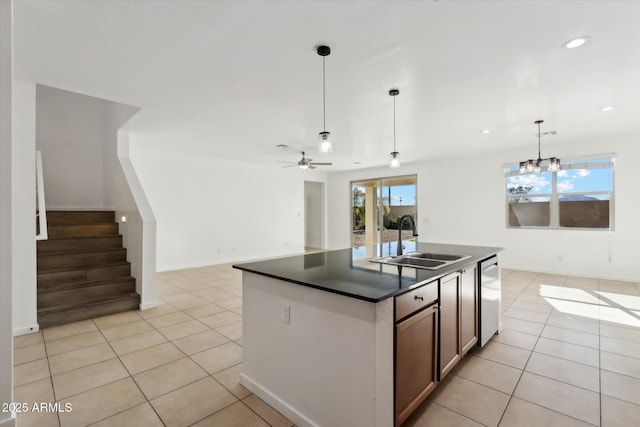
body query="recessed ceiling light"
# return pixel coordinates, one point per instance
(485, 131)
(357, 163)
(577, 42)
(282, 146)
(609, 108)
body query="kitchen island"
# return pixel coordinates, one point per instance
(319, 331)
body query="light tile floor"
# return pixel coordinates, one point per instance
(569, 355)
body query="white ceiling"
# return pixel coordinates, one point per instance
(233, 79)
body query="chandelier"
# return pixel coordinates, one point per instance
(531, 165)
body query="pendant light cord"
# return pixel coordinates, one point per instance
(394, 123)
(539, 156)
(324, 98)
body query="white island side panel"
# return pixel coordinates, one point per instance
(331, 366)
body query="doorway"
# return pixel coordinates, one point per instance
(313, 215)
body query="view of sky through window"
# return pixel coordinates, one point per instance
(570, 181)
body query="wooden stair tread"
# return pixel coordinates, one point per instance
(79, 217)
(84, 267)
(85, 284)
(80, 251)
(88, 302)
(81, 237)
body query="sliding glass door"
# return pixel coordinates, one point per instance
(376, 207)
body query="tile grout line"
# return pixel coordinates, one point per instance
(132, 379)
(211, 375)
(53, 389)
(520, 376)
(599, 365)
(524, 370)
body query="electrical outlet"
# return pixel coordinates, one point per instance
(286, 313)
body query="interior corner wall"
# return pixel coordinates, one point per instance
(212, 211)
(124, 192)
(462, 200)
(69, 133)
(25, 316)
(7, 418)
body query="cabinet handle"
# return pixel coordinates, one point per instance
(419, 297)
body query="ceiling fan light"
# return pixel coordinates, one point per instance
(394, 160)
(303, 165)
(324, 142)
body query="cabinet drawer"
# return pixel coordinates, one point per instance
(416, 299)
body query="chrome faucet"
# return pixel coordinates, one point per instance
(413, 226)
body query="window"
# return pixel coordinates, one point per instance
(580, 195)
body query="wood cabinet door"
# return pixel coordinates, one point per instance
(416, 356)
(450, 350)
(469, 308)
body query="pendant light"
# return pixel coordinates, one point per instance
(536, 165)
(394, 157)
(324, 137)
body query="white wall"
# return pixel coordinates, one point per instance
(25, 294)
(462, 200)
(69, 132)
(7, 419)
(124, 192)
(212, 211)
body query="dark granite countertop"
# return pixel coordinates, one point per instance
(348, 271)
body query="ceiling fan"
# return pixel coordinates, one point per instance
(305, 163)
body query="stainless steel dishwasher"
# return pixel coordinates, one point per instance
(489, 301)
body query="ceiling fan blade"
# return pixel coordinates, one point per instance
(311, 167)
(321, 164)
(284, 161)
(290, 166)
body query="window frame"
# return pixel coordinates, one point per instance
(607, 161)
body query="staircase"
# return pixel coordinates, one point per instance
(82, 269)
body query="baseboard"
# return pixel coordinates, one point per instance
(275, 402)
(11, 422)
(26, 330)
(148, 305)
(571, 273)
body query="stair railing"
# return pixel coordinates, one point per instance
(41, 211)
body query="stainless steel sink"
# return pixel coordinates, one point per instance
(431, 255)
(425, 260)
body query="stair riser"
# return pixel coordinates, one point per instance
(87, 230)
(81, 259)
(77, 295)
(51, 280)
(46, 320)
(82, 217)
(68, 245)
